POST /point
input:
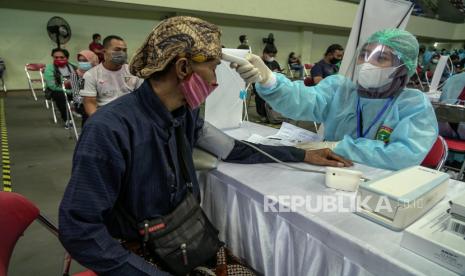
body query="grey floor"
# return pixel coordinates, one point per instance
(40, 154)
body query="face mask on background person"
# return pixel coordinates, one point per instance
(434, 60)
(269, 59)
(60, 62)
(370, 76)
(84, 65)
(196, 90)
(334, 60)
(119, 57)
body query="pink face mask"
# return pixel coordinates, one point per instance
(196, 90)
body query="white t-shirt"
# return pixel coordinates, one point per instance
(108, 85)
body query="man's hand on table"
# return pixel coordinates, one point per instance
(325, 157)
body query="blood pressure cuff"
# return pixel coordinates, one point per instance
(227, 149)
(215, 141)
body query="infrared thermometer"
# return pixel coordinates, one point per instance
(234, 59)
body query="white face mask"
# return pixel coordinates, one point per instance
(269, 59)
(370, 76)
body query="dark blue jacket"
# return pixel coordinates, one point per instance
(127, 151)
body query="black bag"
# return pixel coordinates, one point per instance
(185, 238)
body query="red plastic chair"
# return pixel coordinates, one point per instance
(308, 81)
(457, 146)
(308, 68)
(16, 214)
(437, 156)
(39, 68)
(35, 67)
(452, 113)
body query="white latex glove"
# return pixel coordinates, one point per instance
(252, 69)
(317, 145)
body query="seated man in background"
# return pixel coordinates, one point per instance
(453, 92)
(455, 60)
(244, 43)
(268, 57)
(96, 47)
(371, 118)
(110, 79)
(57, 74)
(296, 64)
(133, 161)
(328, 65)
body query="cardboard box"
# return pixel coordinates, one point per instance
(430, 238)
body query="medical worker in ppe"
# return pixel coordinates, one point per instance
(453, 92)
(370, 118)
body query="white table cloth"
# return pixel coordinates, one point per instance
(302, 242)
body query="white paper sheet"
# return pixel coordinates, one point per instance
(288, 135)
(223, 108)
(258, 139)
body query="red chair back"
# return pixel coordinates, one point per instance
(429, 74)
(308, 81)
(35, 66)
(437, 155)
(16, 214)
(308, 66)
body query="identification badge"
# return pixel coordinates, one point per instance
(384, 134)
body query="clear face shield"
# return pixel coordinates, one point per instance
(375, 66)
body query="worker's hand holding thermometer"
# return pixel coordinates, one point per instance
(251, 69)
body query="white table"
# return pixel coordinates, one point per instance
(302, 242)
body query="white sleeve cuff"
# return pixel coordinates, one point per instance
(270, 83)
(85, 93)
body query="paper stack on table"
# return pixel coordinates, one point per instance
(288, 135)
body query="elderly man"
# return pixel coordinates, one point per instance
(328, 65)
(133, 162)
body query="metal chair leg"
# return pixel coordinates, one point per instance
(53, 112)
(32, 90)
(71, 117)
(462, 169)
(54, 230)
(34, 93)
(46, 104)
(66, 264)
(3, 85)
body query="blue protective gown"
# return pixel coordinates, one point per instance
(401, 138)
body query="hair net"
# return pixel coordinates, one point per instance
(403, 43)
